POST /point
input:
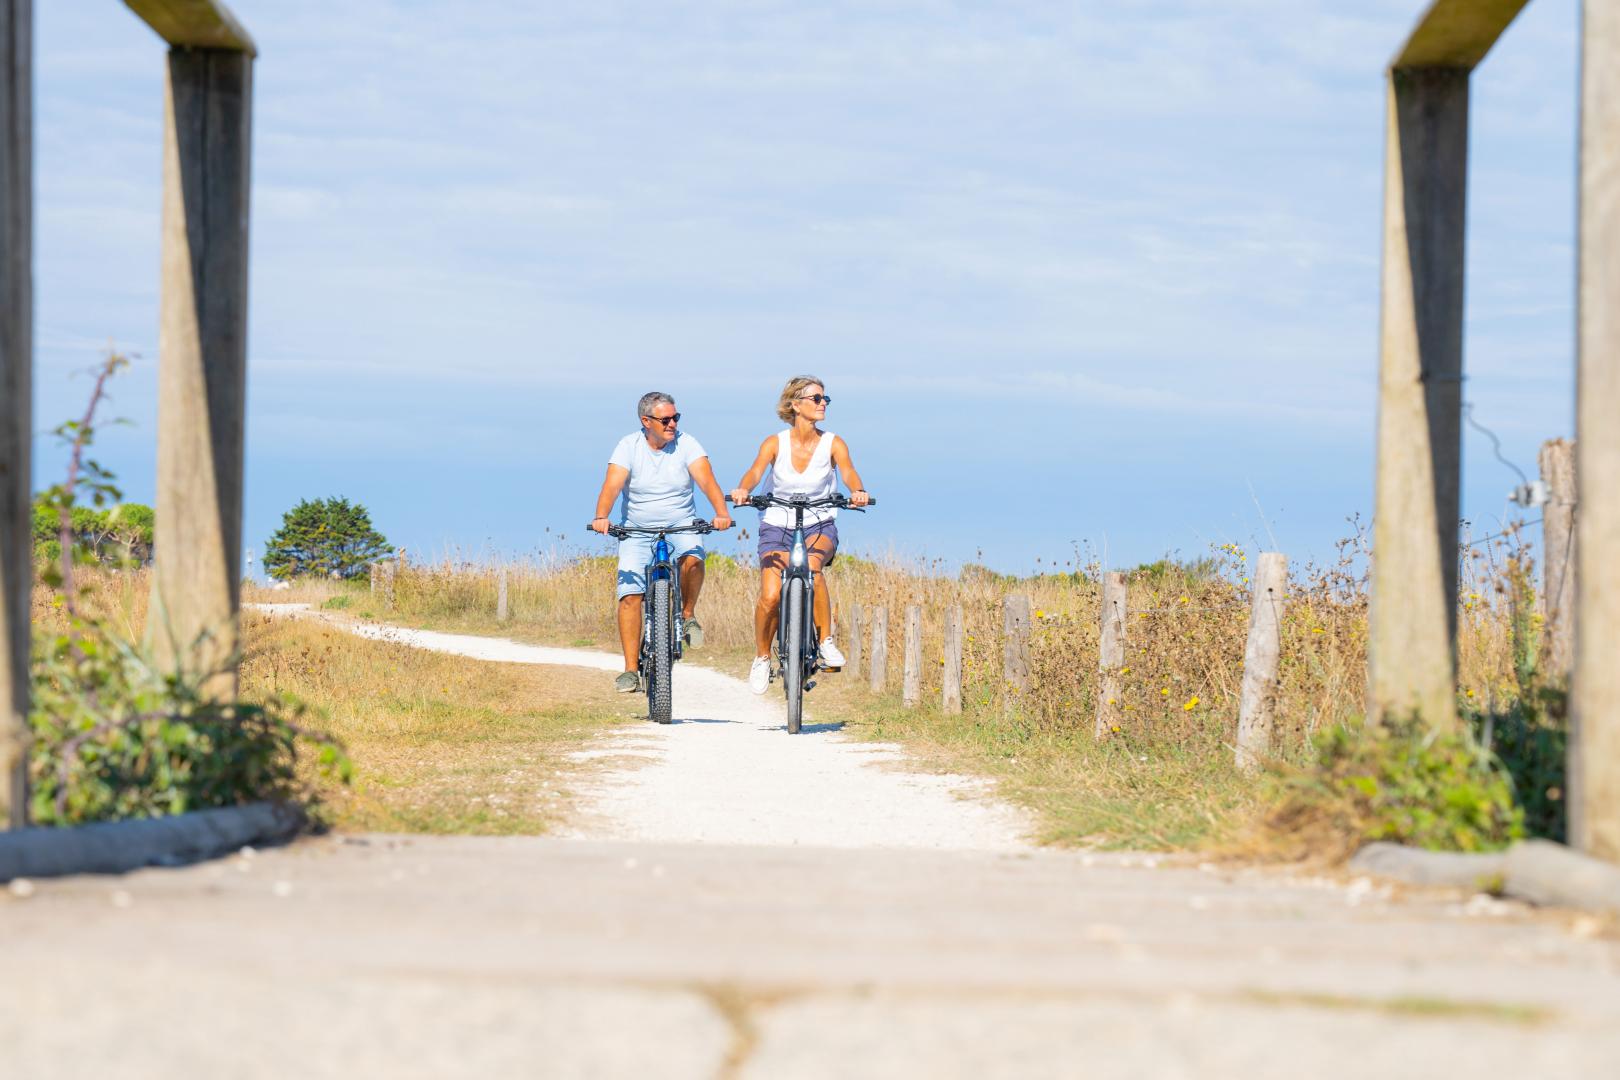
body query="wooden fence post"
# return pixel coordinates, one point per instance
(951, 672)
(500, 595)
(911, 693)
(1259, 697)
(1015, 614)
(382, 581)
(1558, 557)
(880, 648)
(1111, 652)
(852, 659)
(16, 399)
(202, 368)
(1593, 788)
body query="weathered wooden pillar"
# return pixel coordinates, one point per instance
(1558, 558)
(852, 659)
(501, 611)
(1594, 749)
(16, 397)
(202, 346)
(911, 686)
(1016, 611)
(1258, 701)
(880, 649)
(1110, 652)
(1413, 621)
(951, 672)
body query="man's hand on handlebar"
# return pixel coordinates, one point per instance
(722, 521)
(601, 525)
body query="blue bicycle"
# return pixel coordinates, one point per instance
(662, 628)
(798, 639)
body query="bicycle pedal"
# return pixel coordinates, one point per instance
(811, 685)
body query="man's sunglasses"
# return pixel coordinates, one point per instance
(673, 418)
(819, 399)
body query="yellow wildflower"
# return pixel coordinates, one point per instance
(1184, 600)
(1039, 614)
(1165, 692)
(1125, 670)
(1317, 630)
(1192, 703)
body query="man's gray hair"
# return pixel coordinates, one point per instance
(651, 401)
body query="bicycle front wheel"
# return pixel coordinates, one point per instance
(793, 652)
(662, 651)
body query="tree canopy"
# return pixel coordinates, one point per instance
(326, 538)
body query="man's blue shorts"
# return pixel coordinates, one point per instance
(635, 552)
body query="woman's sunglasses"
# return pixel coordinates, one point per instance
(819, 399)
(673, 418)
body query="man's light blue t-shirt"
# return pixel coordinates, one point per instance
(659, 491)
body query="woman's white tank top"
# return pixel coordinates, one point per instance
(818, 480)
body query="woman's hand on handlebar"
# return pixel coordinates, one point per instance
(738, 497)
(859, 497)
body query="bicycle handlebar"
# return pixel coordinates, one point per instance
(841, 502)
(620, 532)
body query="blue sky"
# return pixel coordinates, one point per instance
(1074, 274)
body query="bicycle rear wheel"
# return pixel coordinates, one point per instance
(793, 652)
(661, 652)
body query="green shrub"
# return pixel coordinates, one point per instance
(1403, 782)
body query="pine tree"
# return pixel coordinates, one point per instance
(325, 538)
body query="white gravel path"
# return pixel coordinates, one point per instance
(727, 771)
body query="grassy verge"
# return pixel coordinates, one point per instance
(441, 744)
(1079, 792)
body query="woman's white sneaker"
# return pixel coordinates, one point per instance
(830, 656)
(759, 676)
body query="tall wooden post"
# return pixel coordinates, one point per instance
(1558, 558)
(1111, 652)
(1015, 617)
(911, 688)
(880, 648)
(202, 345)
(1413, 622)
(16, 397)
(951, 672)
(1258, 701)
(1594, 748)
(501, 611)
(852, 659)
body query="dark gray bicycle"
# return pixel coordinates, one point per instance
(661, 629)
(798, 639)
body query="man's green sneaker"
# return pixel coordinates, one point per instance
(693, 634)
(627, 683)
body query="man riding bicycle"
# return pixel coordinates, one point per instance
(655, 468)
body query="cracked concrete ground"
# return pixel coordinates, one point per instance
(497, 957)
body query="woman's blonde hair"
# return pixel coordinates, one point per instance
(795, 385)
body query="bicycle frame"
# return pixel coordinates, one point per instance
(799, 567)
(662, 568)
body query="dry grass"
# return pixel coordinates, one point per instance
(441, 744)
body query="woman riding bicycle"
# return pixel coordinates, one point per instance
(803, 460)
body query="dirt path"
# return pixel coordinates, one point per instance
(898, 930)
(726, 772)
